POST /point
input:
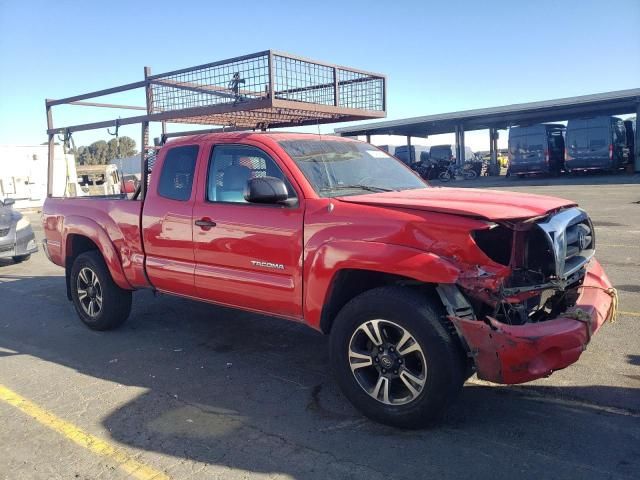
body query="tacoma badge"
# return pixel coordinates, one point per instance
(259, 263)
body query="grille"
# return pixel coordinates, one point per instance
(4, 231)
(578, 238)
(571, 240)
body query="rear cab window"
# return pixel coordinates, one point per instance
(178, 169)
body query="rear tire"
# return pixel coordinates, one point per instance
(99, 302)
(425, 365)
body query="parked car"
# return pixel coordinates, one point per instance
(130, 183)
(17, 240)
(598, 143)
(536, 149)
(417, 287)
(419, 154)
(390, 149)
(447, 153)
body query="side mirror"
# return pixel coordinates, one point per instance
(8, 202)
(266, 190)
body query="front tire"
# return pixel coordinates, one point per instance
(99, 302)
(21, 258)
(394, 359)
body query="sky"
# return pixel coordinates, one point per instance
(440, 56)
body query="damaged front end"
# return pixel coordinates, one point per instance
(536, 315)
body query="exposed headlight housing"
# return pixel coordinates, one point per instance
(23, 223)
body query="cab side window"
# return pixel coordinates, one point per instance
(176, 178)
(232, 166)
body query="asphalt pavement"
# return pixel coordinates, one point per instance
(187, 390)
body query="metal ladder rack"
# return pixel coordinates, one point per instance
(268, 89)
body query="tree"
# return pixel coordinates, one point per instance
(127, 147)
(101, 152)
(84, 156)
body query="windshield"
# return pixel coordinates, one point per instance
(338, 168)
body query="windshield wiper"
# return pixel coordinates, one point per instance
(368, 188)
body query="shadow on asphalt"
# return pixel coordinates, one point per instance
(251, 392)
(634, 360)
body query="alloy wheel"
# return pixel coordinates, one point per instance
(388, 362)
(89, 292)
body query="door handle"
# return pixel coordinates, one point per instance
(205, 223)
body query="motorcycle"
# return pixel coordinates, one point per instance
(453, 171)
(429, 170)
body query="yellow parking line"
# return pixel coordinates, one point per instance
(629, 314)
(131, 466)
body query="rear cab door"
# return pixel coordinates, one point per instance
(168, 217)
(247, 255)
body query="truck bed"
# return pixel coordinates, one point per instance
(114, 223)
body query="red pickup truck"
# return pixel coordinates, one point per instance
(418, 287)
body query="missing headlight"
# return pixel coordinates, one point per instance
(495, 242)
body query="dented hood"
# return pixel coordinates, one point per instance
(470, 202)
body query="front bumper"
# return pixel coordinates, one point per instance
(18, 243)
(520, 353)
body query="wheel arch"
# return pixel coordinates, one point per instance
(339, 271)
(83, 235)
(348, 283)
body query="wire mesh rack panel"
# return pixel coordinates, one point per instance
(303, 81)
(362, 91)
(231, 82)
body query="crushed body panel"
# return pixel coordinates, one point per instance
(512, 354)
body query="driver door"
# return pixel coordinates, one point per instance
(247, 255)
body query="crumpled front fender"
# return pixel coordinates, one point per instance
(520, 353)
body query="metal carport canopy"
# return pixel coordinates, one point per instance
(610, 103)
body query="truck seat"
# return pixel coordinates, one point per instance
(234, 181)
